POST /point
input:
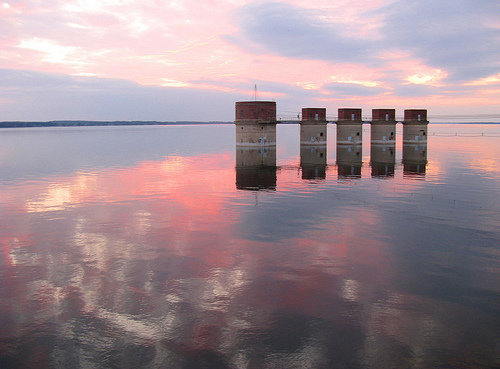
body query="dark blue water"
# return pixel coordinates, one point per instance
(166, 247)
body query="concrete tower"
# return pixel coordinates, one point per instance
(255, 123)
(415, 126)
(349, 126)
(383, 126)
(313, 126)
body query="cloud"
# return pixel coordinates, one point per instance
(459, 36)
(412, 90)
(353, 89)
(297, 54)
(263, 87)
(298, 33)
(45, 96)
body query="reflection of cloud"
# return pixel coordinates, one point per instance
(61, 196)
(153, 257)
(350, 290)
(56, 198)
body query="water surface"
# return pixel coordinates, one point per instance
(165, 247)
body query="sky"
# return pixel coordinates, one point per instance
(191, 60)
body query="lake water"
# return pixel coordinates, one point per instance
(167, 247)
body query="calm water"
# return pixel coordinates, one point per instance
(167, 247)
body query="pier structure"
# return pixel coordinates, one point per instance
(415, 126)
(313, 126)
(255, 123)
(349, 126)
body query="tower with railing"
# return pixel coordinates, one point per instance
(349, 126)
(255, 123)
(415, 126)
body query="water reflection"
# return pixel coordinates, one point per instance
(383, 159)
(414, 158)
(256, 168)
(313, 161)
(349, 160)
(163, 263)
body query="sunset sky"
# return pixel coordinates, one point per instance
(191, 60)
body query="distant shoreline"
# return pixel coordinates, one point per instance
(85, 123)
(89, 123)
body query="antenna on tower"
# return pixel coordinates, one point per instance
(255, 92)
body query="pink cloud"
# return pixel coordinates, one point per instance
(155, 43)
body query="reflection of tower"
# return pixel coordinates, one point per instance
(383, 159)
(313, 143)
(383, 142)
(349, 160)
(349, 153)
(414, 158)
(415, 126)
(255, 123)
(256, 168)
(349, 126)
(313, 161)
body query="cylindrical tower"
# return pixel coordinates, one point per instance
(415, 126)
(383, 126)
(313, 126)
(349, 126)
(255, 123)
